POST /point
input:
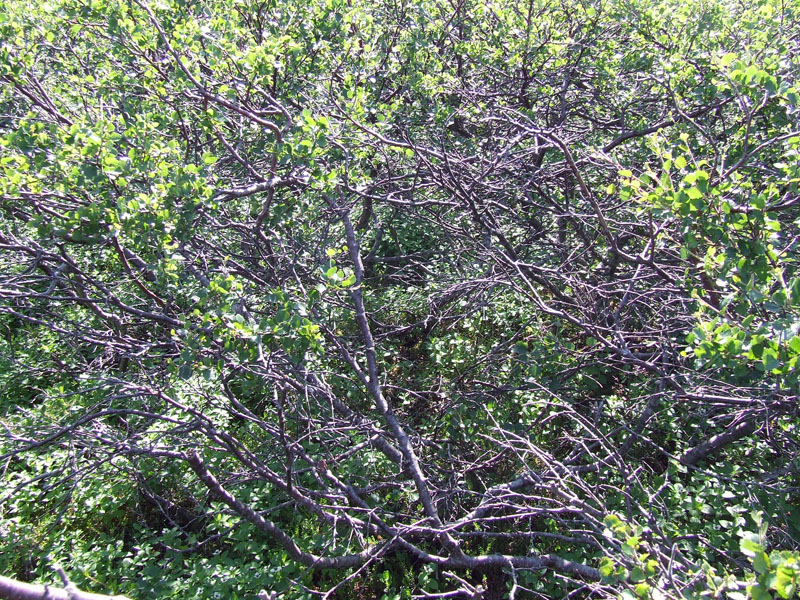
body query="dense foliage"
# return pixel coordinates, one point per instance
(401, 298)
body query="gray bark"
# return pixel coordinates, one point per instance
(11, 589)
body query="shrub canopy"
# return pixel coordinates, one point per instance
(412, 298)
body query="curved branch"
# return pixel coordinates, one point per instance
(271, 529)
(718, 442)
(11, 589)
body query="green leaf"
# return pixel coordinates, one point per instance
(185, 371)
(760, 562)
(651, 568)
(606, 567)
(694, 193)
(750, 546)
(757, 592)
(785, 581)
(770, 360)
